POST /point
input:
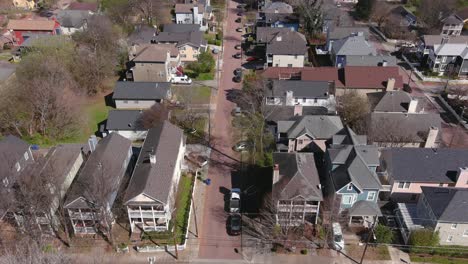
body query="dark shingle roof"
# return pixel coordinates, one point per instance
(181, 38)
(155, 180)
(72, 18)
(285, 112)
(125, 120)
(391, 101)
(141, 90)
(448, 204)
(365, 208)
(180, 28)
(297, 176)
(143, 34)
(105, 166)
(424, 164)
(316, 126)
(452, 19)
(343, 32)
(282, 41)
(308, 89)
(373, 60)
(12, 149)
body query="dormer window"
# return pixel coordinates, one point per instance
(350, 187)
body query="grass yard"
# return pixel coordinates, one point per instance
(192, 94)
(373, 253)
(205, 76)
(437, 259)
(5, 56)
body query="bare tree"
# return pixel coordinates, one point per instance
(353, 109)
(393, 29)
(388, 133)
(23, 251)
(153, 11)
(432, 11)
(157, 114)
(311, 13)
(380, 13)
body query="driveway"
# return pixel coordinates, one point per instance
(215, 243)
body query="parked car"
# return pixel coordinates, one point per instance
(215, 51)
(238, 71)
(338, 241)
(241, 146)
(235, 222)
(237, 79)
(237, 111)
(239, 29)
(238, 55)
(252, 59)
(238, 20)
(238, 46)
(240, 14)
(234, 201)
(181, 80)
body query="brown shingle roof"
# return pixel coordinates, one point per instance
(16, 24)
(187, 8)
(155, 52)
(371, 76)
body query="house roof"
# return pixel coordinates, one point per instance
(188, 8)
(32, 39)
(371, 60)
(143, 34)
(353, 45)
(141, 90)
(44, 25)
(284, 112)
(371, 77)
(156, 180)
(181, 28)
(452, 19)
(431, 40)
(282, 41)
(125, 120)
(194, 38)
(448, 204)
(343, 32)
(102, 172)
(451, 49)
(365, 208)
(154, 52)
(12, 150)
(281, 17)
(391, 101)
(278, 7)
(72, 18)
(298, 176)
(424, 164)
(402, 127)
(93, 7)
(316, 126)
(308, 89)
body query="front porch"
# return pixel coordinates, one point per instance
(364, 213)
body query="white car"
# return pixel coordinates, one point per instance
(234, 201)
(338, 241)
(181, 80)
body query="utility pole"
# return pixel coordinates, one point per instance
(411, 74)
(371, 232)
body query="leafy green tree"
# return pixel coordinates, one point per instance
(363, 9)
(383, 234)
(204, 64)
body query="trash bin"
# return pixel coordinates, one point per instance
(208, 181)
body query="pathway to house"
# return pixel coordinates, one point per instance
(214, 241)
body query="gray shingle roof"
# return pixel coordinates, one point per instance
(12, 150)
(298, 176)
(105, 166)
(365, 208)
(307, 89)
(143, 34)
(318, 126)
(402, 127)
(155, 180)
(141, 90)
(353, 45)
(278, 7)
(125, 120)
(281, 17)
(343, 32)
(392, 101)
(431, 40)
(284, 112)
(181, 38)
(366, 60)
(448, 204)
(282, 41)
(72, 18)
(180, 28)
(424, 164)
(452, 19)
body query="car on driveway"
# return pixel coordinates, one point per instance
(234, 201)
(234, 224)
(240, 14)
(238, 55)
(241, 146)
(239, 29)
(215, 50)
(238, 46)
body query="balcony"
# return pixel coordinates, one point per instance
(298, 208)
(146, 214)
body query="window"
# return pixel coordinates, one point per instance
(350, 187)
(441, 185)
(348, 199)
(449, 238)
(125, 102)
(371, 196)
(135, 101)
(296, 100)
(300, 141)
(295, 56)
(304, 100)
(444, 58)
(315, 100)
(289, 65)
(26, 156)
(183, 55)
(413, 197)
(17, 166)
(454, 226)
(403, 185)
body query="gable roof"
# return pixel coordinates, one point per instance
(141, 90)
(143, 34)
(424, 164)
(353, 45)
(451, 49)
(448, 204)
(343, 32)
(371, 60)
(194, 38)
(125, 120)
(371, 77)
(431, 40)
(12, 150)
(298, 176)
(365, 208)
(72, 18)
(188, 8)
(282, 41)
(402, 127)
(154, 52)
(105, 166)
(44, 25)
(278, 7)
(452, 19)
(156, 180)
(181, 28)
(391, 101)
(281, 17)
(316, 126)
(284, 112)
(307, 89)
(89, 6)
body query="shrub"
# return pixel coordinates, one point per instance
(383, 234)
(304, 251)
(423, 238)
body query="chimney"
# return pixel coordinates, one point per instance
(390, 84)
(432, 137)
(412, 106)
(275, 173)
(289, 98)
(279, 38)
(134, 50)
(92, 142)
(360, 34)
(462, 177)
(195, 14)
(152, 158)
(298, 110)
(384, 63)
(276, 11)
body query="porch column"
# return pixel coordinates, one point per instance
(350, 219)
(130, 219)
(154, 218)
(317, 213)
(142, 220)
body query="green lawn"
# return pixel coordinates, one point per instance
(205, 76)
(5, 56)
(437, 259)
(192, 94)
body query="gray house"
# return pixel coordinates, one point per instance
(441, 209)
(452, 25)
(351, 46)
(93, 192)
(72, 21)
(140, 95)
(297, 192)
(337, 33)
(150, 196)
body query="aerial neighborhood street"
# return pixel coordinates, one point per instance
(234, 131)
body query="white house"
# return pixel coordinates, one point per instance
(127, 123)
(72, 21)
(193, 13)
